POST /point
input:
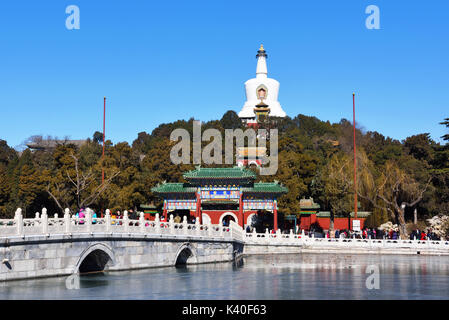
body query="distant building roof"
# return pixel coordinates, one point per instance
(360, 214)
(51, 144)
(308, 204)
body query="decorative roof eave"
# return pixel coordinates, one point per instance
(220, 173)
(263, 187)
(173, 188)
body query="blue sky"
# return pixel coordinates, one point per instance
(162, 61)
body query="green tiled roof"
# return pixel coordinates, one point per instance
(269, 187)
(173, 187)
(226, 173)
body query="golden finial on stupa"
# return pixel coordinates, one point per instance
(261, 48)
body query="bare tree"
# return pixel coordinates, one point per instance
(78, 187)
(393, 190)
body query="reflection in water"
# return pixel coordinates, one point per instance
(290, 276)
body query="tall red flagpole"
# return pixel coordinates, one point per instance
(355, 160)
(104, 127)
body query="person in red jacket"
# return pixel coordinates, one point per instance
(423, 235)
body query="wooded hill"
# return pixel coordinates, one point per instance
(315, 160)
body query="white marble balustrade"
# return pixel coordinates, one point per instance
(41, 224)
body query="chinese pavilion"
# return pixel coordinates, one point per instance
(220, 194)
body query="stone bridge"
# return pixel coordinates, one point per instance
(43, 246)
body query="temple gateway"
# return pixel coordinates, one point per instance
(218, 195)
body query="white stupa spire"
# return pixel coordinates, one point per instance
(261, 70)
(261, 81)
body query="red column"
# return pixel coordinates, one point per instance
(241, 218)
(197, 205)
(275, 215)
(198, 214)
(164, 212)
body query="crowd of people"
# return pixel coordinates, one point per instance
(393, 234)
(423, 235)
(366, 233)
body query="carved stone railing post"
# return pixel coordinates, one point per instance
(89, 220)
(197, 226)
(36, 218)
(108, 220)
(171, 224)
(141, 222)
(44, 221)
(157, 223)
(67, 222)
(125, 221)
(209, 228)
(184, 225)
(19, 221)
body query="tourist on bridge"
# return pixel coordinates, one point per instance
(132, 215)
(395, 235)
(81, 216)
(423, 235)
(364, 234)
(113, 217)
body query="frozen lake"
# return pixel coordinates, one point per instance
(290, 276)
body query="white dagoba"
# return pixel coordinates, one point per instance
(254, 96)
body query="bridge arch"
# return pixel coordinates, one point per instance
(185, 253)
(228, 213)
(95, 258)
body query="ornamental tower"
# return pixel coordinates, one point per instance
(261, 94)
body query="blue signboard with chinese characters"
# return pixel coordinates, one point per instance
(220, 194)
